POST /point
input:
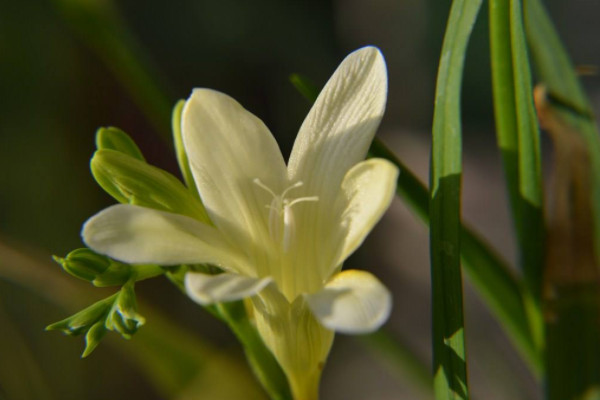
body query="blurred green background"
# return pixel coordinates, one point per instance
(69, 66)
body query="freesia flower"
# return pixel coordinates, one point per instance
(279, 233)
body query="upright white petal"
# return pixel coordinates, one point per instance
(228, 149)
(335, 135)
(367, 191)
(339, 128)
(209, 289)
(352, 302)
(140, 235)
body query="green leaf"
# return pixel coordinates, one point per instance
(530, 216)
(489, 274)
(133, 181)
(449, 361)
(518, 140)
(112, 138)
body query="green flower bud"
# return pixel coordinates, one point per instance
(133, 181)
(84, 264)
(116, 313)
(182, 158)
(84, 319)
(112, 138)
(93, 337)
(123, 316)
(100, 270)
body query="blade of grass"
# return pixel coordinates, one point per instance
(571, 277)
(449, 357)
(518, 139)
(490, 275)
(530, 223)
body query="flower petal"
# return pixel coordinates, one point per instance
(339, 128)
(208, 289)
(141, 235)
(368, 190)
(228, 148)
(352, 302)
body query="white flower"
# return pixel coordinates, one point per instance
(281, 233)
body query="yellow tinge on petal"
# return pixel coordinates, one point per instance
(298, 341)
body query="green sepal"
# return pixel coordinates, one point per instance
(82, 321)
(132, 181)
(103, 271)
(111, 138)
(182, 158)
(123, 316)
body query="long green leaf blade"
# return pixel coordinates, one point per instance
(518, 139)
(449, 359)
(530, 222)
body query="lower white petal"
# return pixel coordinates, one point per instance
(208, 289)
(368, 189)
(141, 235)
(352, 302)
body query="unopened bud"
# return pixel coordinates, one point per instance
(112, 138)
(132, 181)
(82, 321)
(123, 316)
(90, 266)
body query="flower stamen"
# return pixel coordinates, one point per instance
(281, 218)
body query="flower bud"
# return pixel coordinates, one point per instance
(82, 321)
(90, 266)
(123, 316)
(93, 337)
(132, 181)
(115, 139)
